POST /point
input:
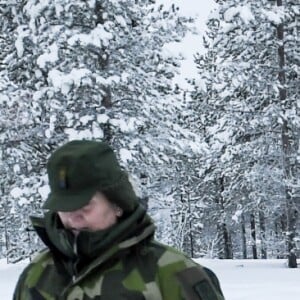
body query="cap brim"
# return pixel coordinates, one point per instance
(68, 201)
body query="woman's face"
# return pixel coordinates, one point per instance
(98, 214)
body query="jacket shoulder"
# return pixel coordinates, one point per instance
(31, 273)
(179, 275)
(42, 256)
(171, 256)
(33, 270)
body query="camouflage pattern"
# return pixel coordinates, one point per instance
(136, 268)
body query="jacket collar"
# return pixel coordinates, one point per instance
(91, 249)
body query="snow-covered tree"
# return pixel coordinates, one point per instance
(93, 70)
(242, 111)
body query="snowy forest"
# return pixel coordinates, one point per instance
(217, 164)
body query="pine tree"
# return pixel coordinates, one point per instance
(88, 70)
(239, 96)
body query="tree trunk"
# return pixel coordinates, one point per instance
(286, 139)
(244, 239)
(224, 232)
(227, 242)
(253, 235)
(262, 225)
(191, 228)
(6, 242)
(280, 229)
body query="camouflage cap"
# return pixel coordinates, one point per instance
(79, 169)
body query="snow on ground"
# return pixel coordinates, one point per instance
(240, 279)
(256, 279)
(8, 278)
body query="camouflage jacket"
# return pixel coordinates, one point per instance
(129, 264)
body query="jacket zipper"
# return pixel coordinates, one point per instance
(74, 265)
